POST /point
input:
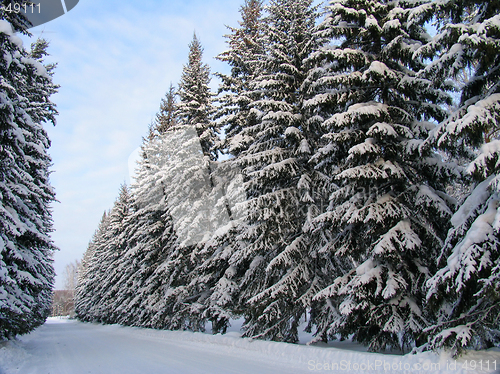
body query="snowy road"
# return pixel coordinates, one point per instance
(73, 347)
(70, 347)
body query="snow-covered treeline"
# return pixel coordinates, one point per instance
(26, 270)
(345, 134)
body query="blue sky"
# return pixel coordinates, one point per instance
(116, 60)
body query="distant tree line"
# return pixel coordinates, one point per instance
(63, 303)
(358, 190)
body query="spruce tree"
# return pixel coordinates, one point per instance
(211, 279)
(275, 168)
(166, 117)
(96, 292)
(187, 157)
(150, 239)
(146, 258)
(185, 174)
(387, 216)
(26, 270)
(214, 274)
(88, 277)
(195, 107)
(245, 46)
(465, 291)
(112, 255)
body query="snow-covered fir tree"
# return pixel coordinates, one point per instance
(245, 46)
(95, 294)
(465, 291)
(388, 215)
(87, 277)
(332, 202)
(195, 107)
(150, 239)
(187, 163)
(186, 176)
(111, 255)
(166, 117)
(214, 272)
(26, 270)
(142, 265)
(118, 283)
(276, 170)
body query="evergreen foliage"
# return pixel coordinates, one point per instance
(111, 254)
(331, 204)
(26, 270)
(166, 119)
(89, 273)
(275, 169)
(215, 273)
(245, 46)
(188, 151)
(387, 215)
(195, 107)
(465, 291)
(149, 239)
(142, 261)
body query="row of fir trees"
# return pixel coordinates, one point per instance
(345, 175)
(26, 269)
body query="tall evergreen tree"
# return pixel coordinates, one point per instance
(153, 248)
(195, 107)
(112, 255)
(88, 278)
(96, 294)
(465, 291)
(387, 216)
(150, 240)
(187, 156)
(185, 174)
(26, 270)
(245, 46)
(214, 272)
(275, 167)
(166, 117)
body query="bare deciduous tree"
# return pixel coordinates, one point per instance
(71, 275)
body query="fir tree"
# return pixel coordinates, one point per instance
(212, 278)
(26, 270)
(150, 239)
(387, 216)
(166, 117)
(214, 274)
(465, 291)
(276, 170)
(95, 296)
(185, 175)
(111, 257)
(195, 107)
(146, 257)
(87, 279)
(187, 163)
(245, 47)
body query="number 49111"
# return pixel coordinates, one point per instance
(16, 8)
(479, 365)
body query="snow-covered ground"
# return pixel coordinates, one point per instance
(70, 347)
